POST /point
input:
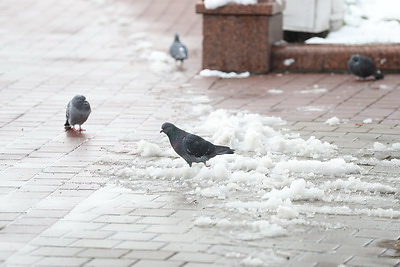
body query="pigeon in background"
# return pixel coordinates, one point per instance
(178, 50)
(190, 147)
(78, 110)
(363, 67)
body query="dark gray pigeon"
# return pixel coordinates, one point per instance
(190, 147)
(78, 111)
(178, 50)
(363, 67)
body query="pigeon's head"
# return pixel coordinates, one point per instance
(355, 58)
(167, 128)
(176, 37)
(79, 101)
(79, 98)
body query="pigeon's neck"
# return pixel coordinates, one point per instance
(174, 137)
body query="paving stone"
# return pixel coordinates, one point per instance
(26, 260)
(316, 247)
(124, 227)
(110, 262)
(194, 247)
(95, 243)
(157, 263)
(376, 233)
(56, 251)
(194, 257)
(326, 259)
(57, 210)
(149, 254)
(120, 235)
(102, 253)
(155, 220)
(372, 261)
(152, 245)
(88, 234)
(53, 241)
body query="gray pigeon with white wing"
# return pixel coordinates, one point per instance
(78, 111)
(191, 147)
(363, 67)
(178, 50)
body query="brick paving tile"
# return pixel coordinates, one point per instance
(61, 261)
(110, 262)
(60, 208)
(156, 263)
(148, 254)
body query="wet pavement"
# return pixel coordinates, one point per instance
(58, 208)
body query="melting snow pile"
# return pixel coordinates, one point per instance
(367, 21)
(274, 182)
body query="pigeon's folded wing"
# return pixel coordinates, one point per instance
(197, 146)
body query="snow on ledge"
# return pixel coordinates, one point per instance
(213, 4)
(221, 74)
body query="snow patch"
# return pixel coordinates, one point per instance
(221, 74)
(332, 121)
(147, 149)
(312, 108)
(314, 91)
(275, 91)
(289, 61)
(366, 21)
(355, 184)
(276, 180)
(332, 167)
(213, 4)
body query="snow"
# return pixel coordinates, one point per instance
(332, 167)
(146, 149)
(275, 91)
(289, 61)
(314, 91)
(276, 182)
(213, 4)
(221, 74)
(312, 108)
(332, 121)
(160, 62)
(366, 21)
(355, 184)
(377, 146)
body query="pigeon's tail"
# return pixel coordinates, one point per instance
(378, 75)
(67, 126)
(220, 150)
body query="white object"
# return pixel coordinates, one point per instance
(313, 15)
(213, 4)
(221, 74)
(366, 21)
(332, 121)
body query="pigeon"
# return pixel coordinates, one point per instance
(363, 67)
(191, 147)
(78, 110)
(178, 50)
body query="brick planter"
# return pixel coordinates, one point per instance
(332, 57)
(239, 37)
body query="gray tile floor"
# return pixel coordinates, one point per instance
(58, 208)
